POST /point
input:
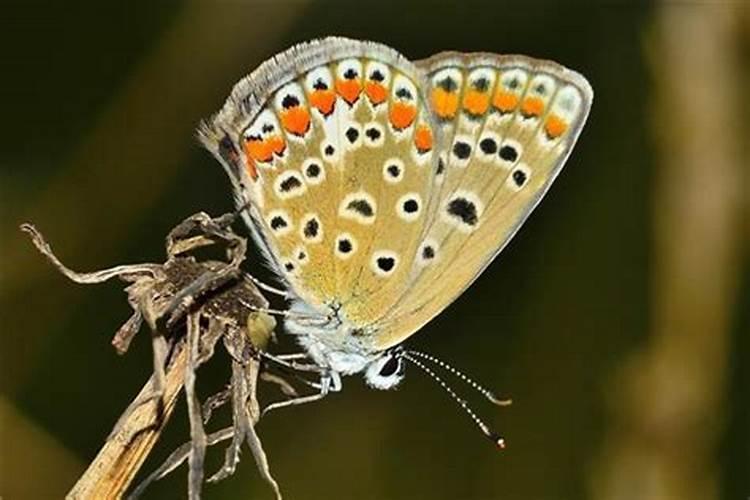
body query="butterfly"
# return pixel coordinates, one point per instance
(379, 189)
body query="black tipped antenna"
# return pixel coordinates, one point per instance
(493, 436)
(468, 380)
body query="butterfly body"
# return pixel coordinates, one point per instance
(379, 189)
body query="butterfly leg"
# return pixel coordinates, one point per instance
(291, 356)
(289, 361)
(329, 382)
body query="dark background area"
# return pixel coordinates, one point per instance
(100, 102)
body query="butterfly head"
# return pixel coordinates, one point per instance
(387, 370)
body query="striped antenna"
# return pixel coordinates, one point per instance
(469, 381)
(493, 436)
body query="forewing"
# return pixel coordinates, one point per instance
(324, 143)
(509, 124)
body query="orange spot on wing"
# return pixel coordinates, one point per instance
(554, 126)
(258, 150)
(263, 149)
(323, 101)
(505, 101)
(402, 115)
(444, 103)
(476, 102)
(376, 92)
(532, 106)
(276, 144)
(252, 170)
(423, 138)
(296, 120)
(349, 90)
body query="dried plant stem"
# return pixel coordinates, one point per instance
(109, 475)
(217, 301)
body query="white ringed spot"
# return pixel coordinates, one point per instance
(393, 170)
(313, 171)
(345, 246)
(463, 210)
(289, 184)
(310, 229)
(359, 206)
(519, 177)
(428, 252)
(384, 262)
(280, 222)
(409, 207)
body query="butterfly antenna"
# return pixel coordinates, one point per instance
(493, 436)
(468, 380)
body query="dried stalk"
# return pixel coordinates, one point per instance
(111, 472)
(189, 306)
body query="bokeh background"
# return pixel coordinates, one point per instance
(617, 319)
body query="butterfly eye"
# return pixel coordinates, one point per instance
(390, 367)
(386, 371)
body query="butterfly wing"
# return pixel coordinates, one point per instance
(329, 145)
(508, 123)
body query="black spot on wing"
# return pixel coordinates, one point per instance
(278, 222)
(508, 153)
(386, 264)
(462, 150)
(411, 205)
(289, 184)
(488, 146)
(313, 170)
(311, 228)
(352, 134)
(404, 94)
(481, 84)
(464, 210)
(289, 101)
(448, 84)
(362, 207)
(345, 246)
(519, 177)
(373, 134)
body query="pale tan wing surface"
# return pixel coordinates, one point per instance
(324, 141)
(511, 122)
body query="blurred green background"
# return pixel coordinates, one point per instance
(617, 319)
